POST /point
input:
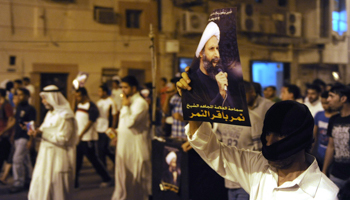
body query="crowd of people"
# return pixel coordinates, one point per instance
(68, 134)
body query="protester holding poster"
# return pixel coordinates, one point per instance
(283, 170)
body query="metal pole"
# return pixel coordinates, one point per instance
(154, 74)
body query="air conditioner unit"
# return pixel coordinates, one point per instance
(193, 22)
(105, 15)
(293, 24)
(249, 18)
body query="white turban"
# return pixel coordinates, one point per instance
(59, 103)
(170, 157)
(211, 30)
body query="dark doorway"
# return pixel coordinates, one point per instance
(58, 79)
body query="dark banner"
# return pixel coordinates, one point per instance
(217, 93)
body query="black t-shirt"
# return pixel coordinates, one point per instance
(24, 113)
(339, 130)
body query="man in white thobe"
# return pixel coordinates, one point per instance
(133, 155)
(53, 176)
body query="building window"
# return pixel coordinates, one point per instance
(282, 3)
(133, 18)
(339, 18)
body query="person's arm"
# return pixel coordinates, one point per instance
(62, 134)
(229, 162)
(10, 123)
(328, 159)
(135, 113)
(10, 118)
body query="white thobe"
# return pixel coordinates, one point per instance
(53, 176)
(314, 107)
(133, 160)
(254, 174)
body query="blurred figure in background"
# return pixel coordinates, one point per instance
(290, 92)
(86, 114)
(314, 103)
(133, 171)
(255, 102)
(22, 168)
(108, 110)
(270, 93)
(30, 88)
(7, 121)
(53, 176)
(320, 130)
(338, 149)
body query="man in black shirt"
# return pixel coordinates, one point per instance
(339, 136)
(22, 168)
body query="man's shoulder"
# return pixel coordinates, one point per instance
(327, 189)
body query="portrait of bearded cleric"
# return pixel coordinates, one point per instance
(216, 75)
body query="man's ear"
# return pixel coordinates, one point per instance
(201, 52)
(343, 99)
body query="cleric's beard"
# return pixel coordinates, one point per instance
(209, 67)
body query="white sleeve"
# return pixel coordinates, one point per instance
(134, 114)
(231, 163)
(61, 134)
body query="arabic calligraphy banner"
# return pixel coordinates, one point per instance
(217, 93)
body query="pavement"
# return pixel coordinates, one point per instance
(89, 189)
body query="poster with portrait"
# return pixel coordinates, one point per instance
(171, 170)
(217, 93)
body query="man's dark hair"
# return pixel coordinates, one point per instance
(293, 89)
(131, 80)
(272, 87)
(319, 82)
(315, 87)
(25, 91)
(19, 81)
(2, 92)
(104, 88)
(324, 94)
(248, 86)
(26, 79)
(82, 91)
(9, 85)
(116, 81)
(257, 88)
(341, 90)
(164, 79)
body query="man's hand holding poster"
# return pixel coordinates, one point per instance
(217, 93)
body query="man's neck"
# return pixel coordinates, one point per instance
(104, 97)
(293, 171)
(329, 114)
(345, 111)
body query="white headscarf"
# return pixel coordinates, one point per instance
(59, 103)
(211, 30)
(170, 157)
